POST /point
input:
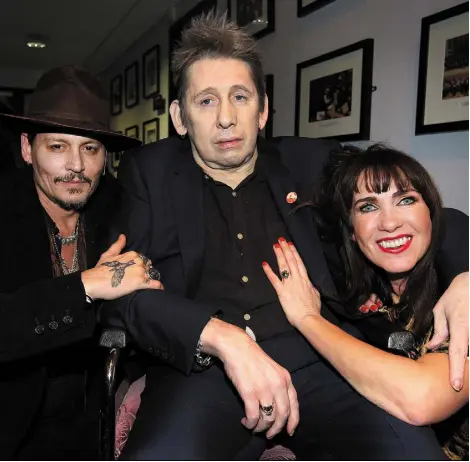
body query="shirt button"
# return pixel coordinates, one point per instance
(234, 193)
(246, 317)
(39, 329)
(244, 278)
(67, 319)
(240, 236)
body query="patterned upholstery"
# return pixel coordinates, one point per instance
(128, 409)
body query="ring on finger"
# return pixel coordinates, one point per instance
(153, 273)
(268, 410)
(285, 274)
(144, 259)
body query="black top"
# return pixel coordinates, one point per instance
(241, 226)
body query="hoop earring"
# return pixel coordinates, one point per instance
(183, 136)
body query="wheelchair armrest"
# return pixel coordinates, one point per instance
(113, 338)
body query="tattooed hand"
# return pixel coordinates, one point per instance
(119, 270)
(116, 275)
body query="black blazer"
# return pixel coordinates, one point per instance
(29, 297)
(162, 216)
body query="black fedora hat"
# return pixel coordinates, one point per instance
(68, 99)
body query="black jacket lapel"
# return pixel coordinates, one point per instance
(299, 224)
(186, 195)
(30, 239)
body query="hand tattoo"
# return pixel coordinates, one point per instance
(119, 270)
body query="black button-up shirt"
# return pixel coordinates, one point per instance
(241, 226)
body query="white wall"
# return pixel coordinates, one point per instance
(395, 25)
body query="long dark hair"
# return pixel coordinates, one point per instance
(381, 166)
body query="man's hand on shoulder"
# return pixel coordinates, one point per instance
(259, 380)
(451, 318)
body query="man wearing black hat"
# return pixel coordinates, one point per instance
(54, 214)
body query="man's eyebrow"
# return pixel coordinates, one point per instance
(215, 91)
(206, 90)
(241, 87)
(54, 138)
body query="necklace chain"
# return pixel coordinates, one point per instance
(67, 240)
(71, 239)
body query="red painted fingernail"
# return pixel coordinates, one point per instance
(291, 244)
(379, 303)
(364, 309)
(265, 263)
(373, 308)
(277, 246)
(282, 239)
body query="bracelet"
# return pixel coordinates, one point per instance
(203, 359)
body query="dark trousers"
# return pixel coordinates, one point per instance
(198, 418)
(66, 424)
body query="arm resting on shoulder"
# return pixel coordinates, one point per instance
(417, 392)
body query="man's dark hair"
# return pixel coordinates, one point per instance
(213, 36)
(381, 166)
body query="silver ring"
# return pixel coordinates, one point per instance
(268, 410)
(144, 259)
(285, 274)
(153, 273)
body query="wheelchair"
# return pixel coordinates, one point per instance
(116, 341)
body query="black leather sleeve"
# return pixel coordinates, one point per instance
(43, 316)
(452, 258)
(167, 325)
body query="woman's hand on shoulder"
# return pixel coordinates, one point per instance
(297, 295)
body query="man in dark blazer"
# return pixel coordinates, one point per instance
(54, 216)
(229, 370)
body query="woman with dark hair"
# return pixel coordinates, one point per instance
(387, 212)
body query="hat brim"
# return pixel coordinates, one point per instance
(113, 141)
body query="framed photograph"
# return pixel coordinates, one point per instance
(116, 158)
(442, 103)
(133, 131)
(131, 84)
(115, 95)
(267, 131)
(256, 16)
(151, 131)
(305, 7)
(333, 94)
(151, 72)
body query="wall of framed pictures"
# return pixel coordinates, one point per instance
(313, 31)
(320, 87)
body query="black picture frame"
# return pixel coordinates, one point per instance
(115, 95)
(131, 85)
(151, 131)
(333, 94)
(305, 7)
(151, 72)
(442, 97)
(133, 131)
(267, 132)
(257, 17)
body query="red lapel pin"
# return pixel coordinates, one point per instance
(291, 197)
